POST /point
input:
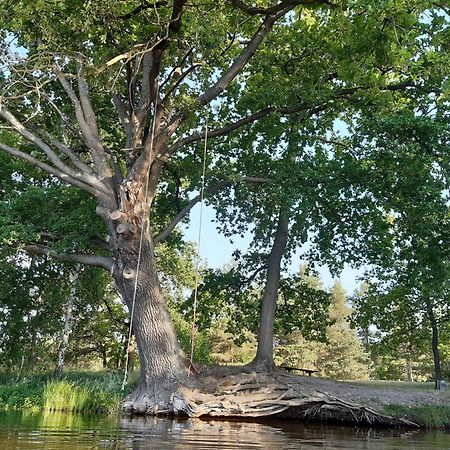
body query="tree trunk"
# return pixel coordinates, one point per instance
(131, 353)
(162, 362)
(31, 356)
(409, 370)
(434, 344)
(366, 340)
(104, 359)
(264, 355)
(67, 321)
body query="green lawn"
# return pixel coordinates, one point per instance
(399, 385)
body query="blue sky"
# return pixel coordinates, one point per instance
(217, 249)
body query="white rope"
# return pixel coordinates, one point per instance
(197, 267)
(144, 212)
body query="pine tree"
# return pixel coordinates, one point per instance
(343, 357)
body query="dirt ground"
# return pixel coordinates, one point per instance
(246, 384)
(376, 396)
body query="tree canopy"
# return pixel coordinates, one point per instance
(112, 98)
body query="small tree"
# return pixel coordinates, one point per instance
(343, 357)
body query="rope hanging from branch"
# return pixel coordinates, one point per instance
(197, 266)
(144, 212)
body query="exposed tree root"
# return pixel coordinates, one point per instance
(258, 395)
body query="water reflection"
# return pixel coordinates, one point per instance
(54, 431)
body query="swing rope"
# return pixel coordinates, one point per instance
(197, 266)
(141, 239)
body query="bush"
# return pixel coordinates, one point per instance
(184, 329)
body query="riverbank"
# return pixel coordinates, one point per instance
(81, 392)
(418, 402)
(238, 393)
(100, 393)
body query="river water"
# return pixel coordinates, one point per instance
(53, 431)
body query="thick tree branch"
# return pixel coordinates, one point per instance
(245, 56)
(211, 190)
(390, 87)
(53, 171)
(51, 237)
(87, 134)
(147, 82)
(86, 175)
(284, 110)
(85, 120)
(255, 10)
(121, 110)
(142, 7)
(90, 260)
(124, 117)
(65, 150)
(34, 139)
(199, 136)
(150, 94)
(101, 243)
(86, 105)
(175, 20)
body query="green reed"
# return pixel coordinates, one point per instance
(84, 392)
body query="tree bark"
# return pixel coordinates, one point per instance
(263, 360)
(74, 274)
(434, 344)
(409, 370)
(163, 366)
(31, 356)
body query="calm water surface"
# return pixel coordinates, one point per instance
(52, 431)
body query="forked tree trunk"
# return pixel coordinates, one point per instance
(264, 355)
(163, 366)
(73, 278)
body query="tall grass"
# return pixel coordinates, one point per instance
(430, 416)
(98, 393)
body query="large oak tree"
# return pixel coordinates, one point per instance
(110, 97)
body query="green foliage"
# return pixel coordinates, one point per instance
(97, 398)
(393, 366)
(184, 334)
(96, 393)
(431, 416)
(296, 351)
(341, 357)
(408, 284)
(21, 394)
(224, 299)
(361, 168)
(27, 211)
(231, 299)
(224, 349)
(303, 306)
(31, 315)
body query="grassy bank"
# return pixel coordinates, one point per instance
(429, 416)
(98, 393)
(406, 386)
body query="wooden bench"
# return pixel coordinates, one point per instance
(292, 369)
